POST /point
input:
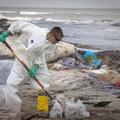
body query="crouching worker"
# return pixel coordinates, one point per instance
(39, 41)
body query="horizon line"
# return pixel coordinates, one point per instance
(55, 7)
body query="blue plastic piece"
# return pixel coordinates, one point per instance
(92, 59)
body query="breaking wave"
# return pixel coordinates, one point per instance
(82, 22)
(81, 18)
(34, 13)
(2, 16)
(24, 18)
(8, 12)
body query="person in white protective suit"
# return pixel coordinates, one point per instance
(39, 40)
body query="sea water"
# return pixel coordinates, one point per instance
(99, 28)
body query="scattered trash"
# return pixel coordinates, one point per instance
(5, 67)
(42, 103)
(75, 110)
(56, 111)
(106, 74)
(10, 105)
(57, 66)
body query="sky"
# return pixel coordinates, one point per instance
(61, 3)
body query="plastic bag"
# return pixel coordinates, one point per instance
(56, 111)
(10, 105)
(75, 110)
(5, 67)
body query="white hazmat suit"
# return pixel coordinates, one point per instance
(32, 50)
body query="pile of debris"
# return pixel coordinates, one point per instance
(73, 86)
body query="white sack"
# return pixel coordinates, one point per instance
(61, 49)
(75, 110)
(10, 105)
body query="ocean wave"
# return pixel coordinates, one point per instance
(10, 12)
(69, 21)
(64, 21)
(24, 18)
(2, 16)
(33, 13)
(57, 20)
(87, 22)
(103, 22)
(82, 22)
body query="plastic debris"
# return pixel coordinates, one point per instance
(75, 110)
(42, 103)
(10, 105)
(56, 111)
